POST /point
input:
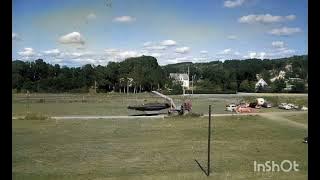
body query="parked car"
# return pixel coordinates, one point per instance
(254, 105)
(285, 106)
(293, 106)
(304, 108)
(231, 107)
(267, 105)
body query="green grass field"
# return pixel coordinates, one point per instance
(154, 148)
(116, 104)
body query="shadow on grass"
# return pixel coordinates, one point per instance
(205, 172)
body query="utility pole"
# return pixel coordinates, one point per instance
(188, 78)
(127, 86)
(209, 134)
(95, 86)
(192, 84)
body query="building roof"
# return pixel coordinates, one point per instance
(262, 82)
(178, 76)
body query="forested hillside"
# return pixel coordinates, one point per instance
(144, 74)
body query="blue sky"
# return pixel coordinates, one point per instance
(77, 32)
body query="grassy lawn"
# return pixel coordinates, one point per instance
(116, 104)
(300, 118)
(154, 148)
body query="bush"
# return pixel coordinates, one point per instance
(247, 86)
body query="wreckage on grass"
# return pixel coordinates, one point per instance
(150, 107)
(155, 108)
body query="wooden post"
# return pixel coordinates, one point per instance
(209, 134)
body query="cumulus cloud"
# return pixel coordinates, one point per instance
(229, 52)
(15, 36)
(256, 55)
(119, 54)
(179, 59)
(165, 44)
(148, 43)
(156, 47)
(91, 16)
(27, 52)
(72, 38)
(278, 44)
(284, 31)
(232, 37)
(156, 55)
(203, 52)
(124, 19)
(232, 4)
(53, 52)
(168, 43)
(225, 51)
(264, 18)
(128, 54)
(182, 50)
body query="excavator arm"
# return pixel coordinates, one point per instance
(173, 105)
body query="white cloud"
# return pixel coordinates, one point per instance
(265, 18)
(200, 59)
(168, 43)
(232, 4)
(225, 51)
(128, 54)
(148, 43)
(111, 51)
(15, 36)
(27, 52)
(284, 31)
(156, 47)
(182, 50)
(180, 59)
(228, 54)
(156, 55)
(124, 19)
(91, 16)
(278, 44)
(72, 38)
(204, 52)
(232, 37)
(52, 52)
(256, 55)
(119, 55)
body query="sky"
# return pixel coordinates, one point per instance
(78, 32)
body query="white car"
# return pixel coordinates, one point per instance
(285, 106)
(293, 106)
(231, 107)
(304, 108)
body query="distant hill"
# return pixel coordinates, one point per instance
(231, 73)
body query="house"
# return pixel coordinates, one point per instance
(280, 76)
(261, 83)
(183, 78)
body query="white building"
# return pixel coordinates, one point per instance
(280, 76)
(183, 78)
(261, 83)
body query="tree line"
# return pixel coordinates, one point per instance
(143, 73)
